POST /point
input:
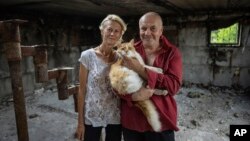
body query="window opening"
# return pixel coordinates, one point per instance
(228, 36)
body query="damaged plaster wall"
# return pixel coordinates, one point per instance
(201, 65)
(192, 43)
(66, 38)
(218, 66)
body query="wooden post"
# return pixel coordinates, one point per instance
(11, 44)
(62, 84)
(39, 54)
(61, 76)
(73, 90)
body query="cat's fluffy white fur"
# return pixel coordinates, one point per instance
(153, 117)
(133, 81)
(127, 81)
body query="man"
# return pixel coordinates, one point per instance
(158, 52)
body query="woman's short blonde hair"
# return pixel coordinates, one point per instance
(116, 18)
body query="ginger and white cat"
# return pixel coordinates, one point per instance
(127, 81)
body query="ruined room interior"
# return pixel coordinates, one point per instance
(47, 37)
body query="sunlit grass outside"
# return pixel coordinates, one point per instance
(228, 35)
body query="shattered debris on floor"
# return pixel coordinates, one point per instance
(204, 115)
(49, 119)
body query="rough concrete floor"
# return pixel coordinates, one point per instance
(204, 115)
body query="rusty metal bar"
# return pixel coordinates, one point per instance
(11, 43)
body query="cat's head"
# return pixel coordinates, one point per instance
(127, 49)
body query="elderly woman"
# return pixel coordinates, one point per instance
(98, 106)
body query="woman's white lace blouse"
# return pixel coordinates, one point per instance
(102, 106)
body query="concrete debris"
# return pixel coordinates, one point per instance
(203, 115)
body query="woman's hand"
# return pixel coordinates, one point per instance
(80, 130)
(142, 94)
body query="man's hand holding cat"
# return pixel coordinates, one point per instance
(134, 65)
(142, 94)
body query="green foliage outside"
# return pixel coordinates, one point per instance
(227, 35)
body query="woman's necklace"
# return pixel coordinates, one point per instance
(103, 53)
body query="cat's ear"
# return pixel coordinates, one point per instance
(131, 41)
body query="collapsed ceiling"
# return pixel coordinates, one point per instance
(96, 8)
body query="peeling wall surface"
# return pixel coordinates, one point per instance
(64, 50)
(226, 67)
(218, 66)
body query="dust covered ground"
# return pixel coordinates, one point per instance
(204, 114)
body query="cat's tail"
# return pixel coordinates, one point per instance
(149, 110)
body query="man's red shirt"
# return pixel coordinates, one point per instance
(169, 59)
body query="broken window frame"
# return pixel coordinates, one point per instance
(238, 44)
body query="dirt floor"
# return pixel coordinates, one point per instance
(204, 115)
